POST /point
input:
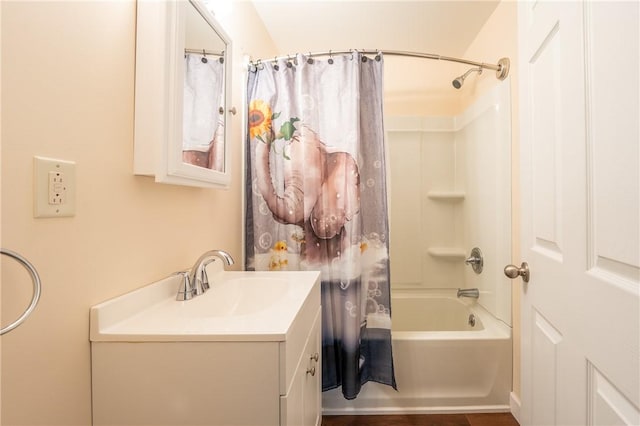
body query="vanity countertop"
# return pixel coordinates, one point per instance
(239, 306)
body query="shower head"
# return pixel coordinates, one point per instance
(457, 83)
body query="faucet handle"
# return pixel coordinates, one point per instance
(475, 260)
(472, 260)
(185, 290)
(197, 287)
(204, 279)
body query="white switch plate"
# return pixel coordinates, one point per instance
(54, 187)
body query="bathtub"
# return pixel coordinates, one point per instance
(443, 363)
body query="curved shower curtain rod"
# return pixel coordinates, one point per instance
(501, 68)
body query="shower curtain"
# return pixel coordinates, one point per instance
(203, 129)
(316, 200)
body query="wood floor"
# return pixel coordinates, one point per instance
(485, 419)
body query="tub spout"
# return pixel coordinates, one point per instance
(468, 292)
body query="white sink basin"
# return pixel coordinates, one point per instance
(239, 306)
(237, 296)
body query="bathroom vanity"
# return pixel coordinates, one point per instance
(247, 352)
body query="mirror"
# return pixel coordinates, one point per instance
(182, 93)
(203, 112)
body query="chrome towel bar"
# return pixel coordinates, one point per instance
(36, 289)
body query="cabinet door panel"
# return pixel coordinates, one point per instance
(301, 405)
(312, 401)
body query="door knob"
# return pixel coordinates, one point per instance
(512, 271)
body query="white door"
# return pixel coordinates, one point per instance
(579, 97)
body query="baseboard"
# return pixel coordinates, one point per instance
(415, 410)
(514, 402)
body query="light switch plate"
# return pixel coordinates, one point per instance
(54, 187)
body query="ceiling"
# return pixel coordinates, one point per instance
(438, 27)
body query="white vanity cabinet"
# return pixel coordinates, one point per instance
(192, 378)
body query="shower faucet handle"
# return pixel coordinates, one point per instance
(476, 260)
(473, 260)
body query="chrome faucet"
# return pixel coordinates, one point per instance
(468, 292)
(195, 281)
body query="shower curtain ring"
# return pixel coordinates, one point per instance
(204, 57)
(310, 59)
(330, 58)
(275, 61)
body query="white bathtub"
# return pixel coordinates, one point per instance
(442, 363)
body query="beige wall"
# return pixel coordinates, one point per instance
(67, 93)
(419, 87)
(497, 39)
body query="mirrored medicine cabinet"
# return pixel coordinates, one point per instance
(182, 94)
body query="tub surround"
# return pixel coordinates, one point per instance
(459, 199)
